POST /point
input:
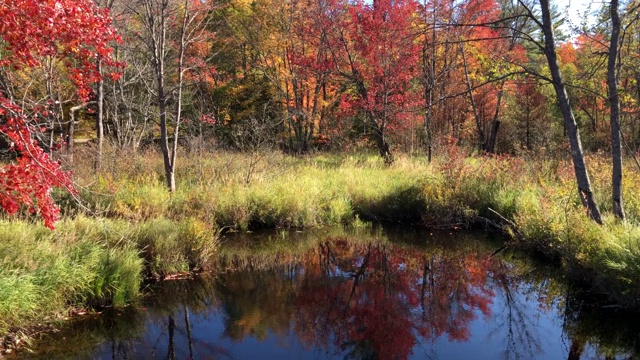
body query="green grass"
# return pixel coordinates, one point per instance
(44, 274)
(173, 247)
(90, 263)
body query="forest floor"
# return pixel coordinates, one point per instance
(128, 228)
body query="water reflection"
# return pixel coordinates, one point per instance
(346, 298)
(374, 302)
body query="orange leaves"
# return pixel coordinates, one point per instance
(479, 12)
(567, 53)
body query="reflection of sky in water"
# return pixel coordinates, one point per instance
(520, 323)
(539, 336)
(210, 342)
(494, 337)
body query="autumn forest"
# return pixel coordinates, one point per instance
(145, 130)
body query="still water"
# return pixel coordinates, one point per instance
(368, 294)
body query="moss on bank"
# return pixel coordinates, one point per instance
(138, 229)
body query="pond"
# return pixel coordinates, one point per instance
(357, 294)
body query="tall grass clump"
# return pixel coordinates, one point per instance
(393, 194)
(170, 247)
(43, 274)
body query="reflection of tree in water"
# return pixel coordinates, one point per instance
(177, 329)
(254, 302)
(170, 312)
(521, 340)
(589, 320)
(375, 300)
(367, 300)
(613, 334)
(370, 300)
(453, 288)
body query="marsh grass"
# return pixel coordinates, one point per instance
(90, 263)
(283, 192)
(170, 247)
(45, 274)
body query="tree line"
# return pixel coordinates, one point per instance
(302, 75)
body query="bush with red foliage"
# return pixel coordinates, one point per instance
(76, 32)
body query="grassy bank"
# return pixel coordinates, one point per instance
(129, 227)
(90, 263)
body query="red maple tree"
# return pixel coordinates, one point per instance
(373, 48)
(76, 32)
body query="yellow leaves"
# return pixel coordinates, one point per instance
(569, 71)
(243, 4)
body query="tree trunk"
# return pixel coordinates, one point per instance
(71, 129)
(428, 114)
(579, 165)
(171, 179)
(100, 118)
(493, 136)
(490, 145)
(381, 142)
(476, 115)
(429, 83)
(70, 133)
(385, 152)
(614, 103)
(164, 140)
(576, 349)
(528, 128)
(378, 127)
(158, 43)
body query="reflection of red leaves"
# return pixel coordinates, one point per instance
(380, 305)
(178, 276)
